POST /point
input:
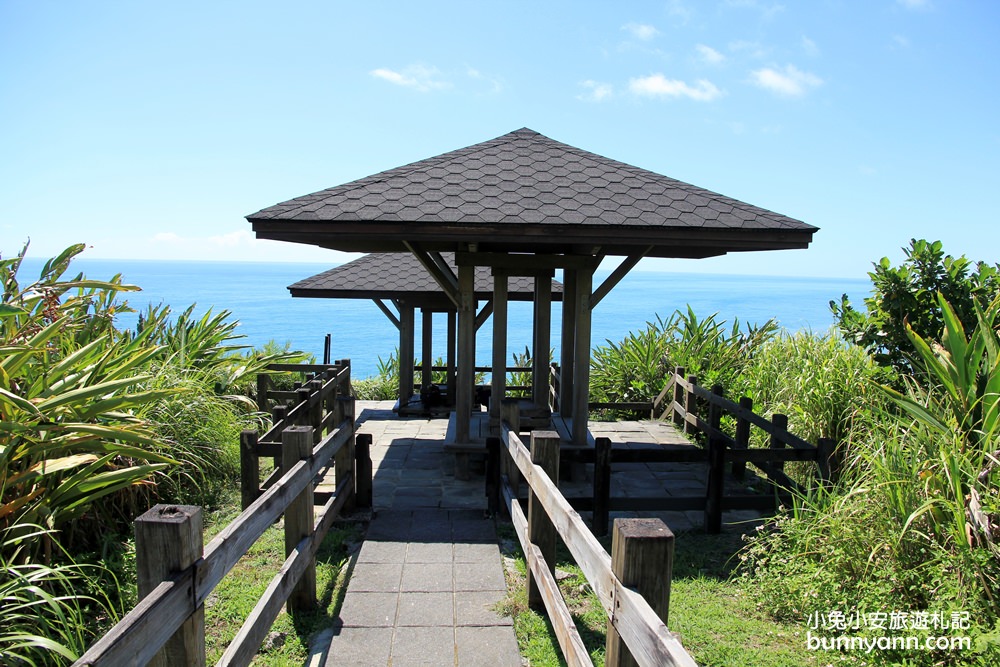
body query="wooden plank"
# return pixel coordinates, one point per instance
(602, 485)
(644, 633)
(391, 316)
(249, 468)
(297, 444)
(567, 353)
(541, 340)
(466, 352)
(570, 642)
(499, 380)
(581, 383)
(135, 639)
(541, 532)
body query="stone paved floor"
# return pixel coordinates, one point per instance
(429, 573)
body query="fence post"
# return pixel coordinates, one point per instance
(690, 406)
(316, 411)
(642, 557)
(343, 410)
(249, 468)
(363, 468)
(168, 539)
(678, 397)
(302, 396)
(279, 413)
(296, 445)
(602, 485)
(825, 459)
(742, 437)
(326, 349)
(541, 532)
(779, 423)
(716, 467)
(493, 444)
(262, 392)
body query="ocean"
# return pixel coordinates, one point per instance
(256, 294)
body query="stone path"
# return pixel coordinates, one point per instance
(429, 573)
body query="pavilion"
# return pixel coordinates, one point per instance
(525, 205)
(399, 285)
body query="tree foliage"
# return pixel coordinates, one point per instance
(906, 296)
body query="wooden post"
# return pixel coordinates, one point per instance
(778, 423)
(541, 532)
(581, 373)
(450, 357)
(690, 406)
(316, 411)
(168, 539)
(363, 469)
(602, 485)
(825, 448)
(407, 333)
(249, 468)
(296, 444)
(493, 445)
(343, 460)
(742, 437)
(326, 349)
(262, 392)
(678, 397)
(542, 341)
(302, 396)
(499, 380)
(426, 348)
(716, 467)
(466, 354)
(567, 354)
(642, 557)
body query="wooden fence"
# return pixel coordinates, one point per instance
(176, 574)
(633, 585)
(699, 413)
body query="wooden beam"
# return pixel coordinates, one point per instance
(484, 314)
(438, 269)
(407, 336)
(518, 264)
(541, 341)
(388, 313)
(568, 345)
(450, 356)
(466, 353)
(620, 272)
(581, 370)
(499, 381)
(426, 347)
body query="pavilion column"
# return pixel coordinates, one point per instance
(581, 377)
(407, 336)
(567, 355)
(450, 356)
(466, 353)
(542, 341)
(427, 347)
(499, 381)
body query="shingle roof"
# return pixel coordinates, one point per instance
(525, 179)
(401, 276)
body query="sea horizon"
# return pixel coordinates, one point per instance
(256, 295)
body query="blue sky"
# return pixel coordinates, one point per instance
(148, 130)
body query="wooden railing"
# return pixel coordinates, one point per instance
(176, 575)
(633, 586)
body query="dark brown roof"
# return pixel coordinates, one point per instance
(525, 192)
(401, 276)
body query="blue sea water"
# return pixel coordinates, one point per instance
(256, 294)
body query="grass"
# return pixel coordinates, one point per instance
(288, 642)
(716, 619)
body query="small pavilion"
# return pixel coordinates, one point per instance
(399, 285)
(526, 205)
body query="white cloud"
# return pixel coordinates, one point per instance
(680, 11)
(233, 239)
(418, 77)
(657, 85)
(788, 82)
(642, 31)
(915, 4)
(900, 41)
(809, 47)
(596, 91)
(752, 49)
(495, 84)
(709, 55)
